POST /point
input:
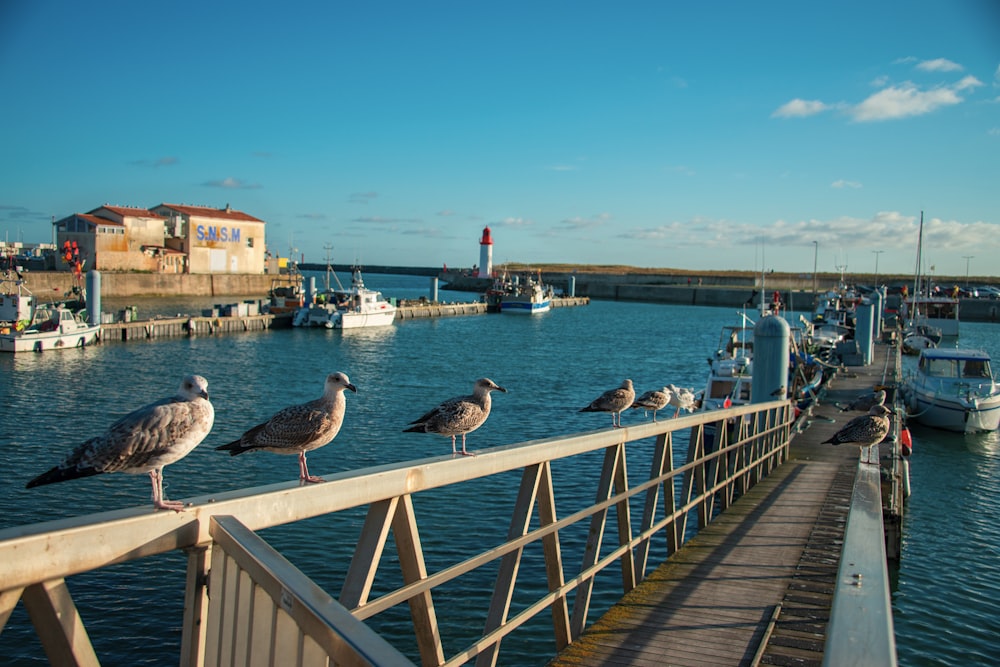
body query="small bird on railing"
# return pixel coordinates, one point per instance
(144, 440)
(865, 430)
(300, 428)
(681, 398)
(614, 401)
(655, 399)
(865, 402)
(459, 416)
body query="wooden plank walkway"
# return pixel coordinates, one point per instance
(774, 550)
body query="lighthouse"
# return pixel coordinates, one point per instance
(485, 254)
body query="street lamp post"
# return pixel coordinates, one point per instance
(967, 258)
(876, 253)
(815, 257)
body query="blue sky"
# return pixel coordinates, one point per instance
(723, 135)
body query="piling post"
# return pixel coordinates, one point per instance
(93, 297)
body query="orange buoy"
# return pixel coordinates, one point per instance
(907, 442)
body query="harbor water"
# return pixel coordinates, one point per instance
(946, 597)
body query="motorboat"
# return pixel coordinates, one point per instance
(352, 308)
(26, 326)
(527, 297)
(730, 371)
(920, 337)
(954, 390)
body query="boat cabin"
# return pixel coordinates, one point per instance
(955, 364)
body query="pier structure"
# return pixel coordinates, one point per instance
(185, 325)
(725, 550)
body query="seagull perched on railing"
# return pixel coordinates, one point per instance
(145, 440)
(681, 398)
(865, 430)
(300, 428)
(614, 401)
(459, 416)
(654, 400)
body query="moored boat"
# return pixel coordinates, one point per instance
(527, 297)
(26, 326)
(352, 308)
(954, 390)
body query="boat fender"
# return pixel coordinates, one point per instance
(907, 442)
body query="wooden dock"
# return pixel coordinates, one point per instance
(755, 586)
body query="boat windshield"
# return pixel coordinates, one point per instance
(954, 368)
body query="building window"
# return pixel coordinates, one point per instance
(249, 241)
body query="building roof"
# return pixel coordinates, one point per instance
(133, 211)
(226, 213)
(94, 220)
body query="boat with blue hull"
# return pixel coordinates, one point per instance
(954, 390)
(527, 297)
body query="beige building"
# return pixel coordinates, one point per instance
(170, 238)
(215, 240)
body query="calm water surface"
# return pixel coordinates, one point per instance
(946, 602)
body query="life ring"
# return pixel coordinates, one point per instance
(906, 440)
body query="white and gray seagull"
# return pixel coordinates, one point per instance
(864, 430)
(459, 416)
(681, 398)
(865, 402)
(655, 400)
(614, 401)
(298, 429)
(144, 440)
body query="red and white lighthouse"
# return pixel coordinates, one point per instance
(485, 254)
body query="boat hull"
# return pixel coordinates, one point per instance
(519, 307)
(381, 318)
(957, 415)
(39, 341)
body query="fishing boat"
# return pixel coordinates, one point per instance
(730, 369)
(527, 297)
(730, 375)
(352, 308)
(954, 390)
(26, 326)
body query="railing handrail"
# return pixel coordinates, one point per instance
(742, 453)
(33, 553)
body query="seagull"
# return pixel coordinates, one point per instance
(145, 440)
(460, 415)
(865, 402)
(654, 400)
(864, 430)
(613, 401)
(681, 398)
(298, 429)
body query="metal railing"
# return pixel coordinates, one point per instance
(728, 452)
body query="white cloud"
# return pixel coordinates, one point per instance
(232, 184)
(939, 65)
(908, 99)
(799, 108)
(841, 183)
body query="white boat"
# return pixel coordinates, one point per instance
(953, 390)
(730, 371)
(936, 312)
(527, 297)
(351, 308)
(26, 326)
